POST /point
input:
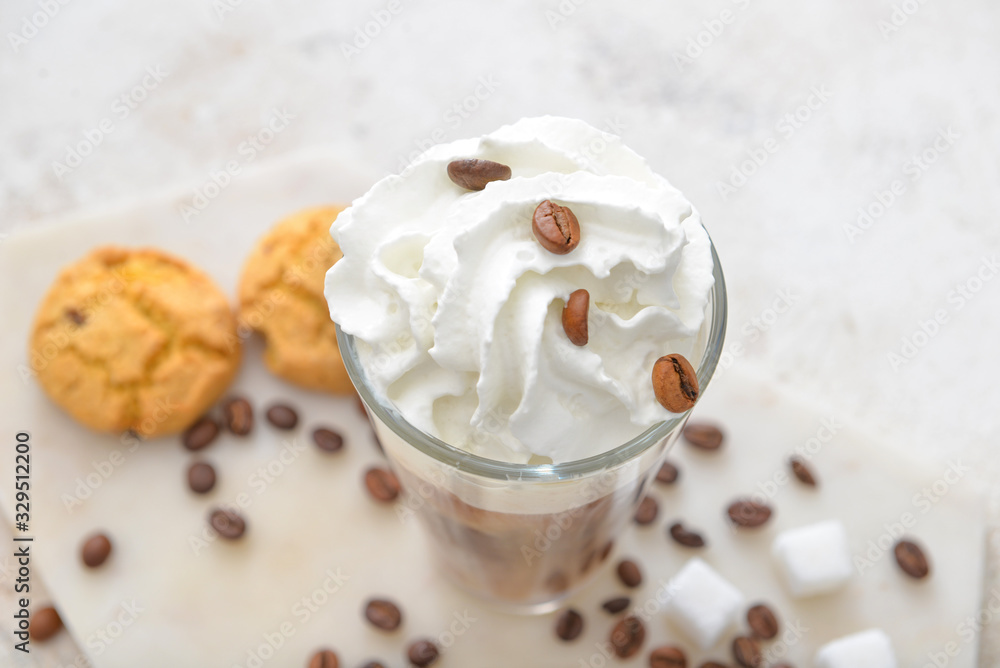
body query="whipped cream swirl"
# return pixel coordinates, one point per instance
(457, 307)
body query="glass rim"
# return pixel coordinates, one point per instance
(500, 470)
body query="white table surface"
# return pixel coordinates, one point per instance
(886, 92)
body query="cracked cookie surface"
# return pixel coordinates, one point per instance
(281, 296)
(134, 339)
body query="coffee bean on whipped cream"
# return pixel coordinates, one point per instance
(629, 573)
(383, 614)
(382, 484)
(44, 623)
(227, 523)
(574, 317)
(703, 435)
(555, 227)
(282, 416)
(473, 174)
(675, 383)
(627, 637)
(668, 474)
(668, 657)
(201, 477)
(201, 434)
(422, 653)
(617, 604)
(569, 625)
(911, 559)
(647, 511)
(747, 652)
(238, 414)
(95, 550)
(324, 658)
(802, 471)
(686, 537)
(749, 514)
(762, 621)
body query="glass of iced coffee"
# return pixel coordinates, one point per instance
(529, 318)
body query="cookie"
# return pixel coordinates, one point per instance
(281, 296)
(134, 339)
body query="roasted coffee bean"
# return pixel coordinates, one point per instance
(201, 477)
(96, 550)
(802, 471)
(45, 623)
(474, 174)
(685, 537)
(675, 383)
(574, 317)
(629, 573)
(747, 513)
(382, 484)
(383, 614)
(647, 511)
(912, 559)
(282, 416)
(747, 653)
(200, 434)
(569, 625)
(668, 657)
(713, 664)
(227, 523)
(627, 637)
(238, 414)
(667, 474)
(77, 317)
(422, 653)
(617, 604)
(762, 621)
(703, 435)
(328, 440)
(324, 658)
(555, 227)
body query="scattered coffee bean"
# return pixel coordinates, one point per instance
(627, 637)
(227, 523)
(747, 513)
(668, 657)
(629, 573)
(328, 440)
(667, 474)
(747, 653)
(422, 653)
(912, 559)
(569, 625)
(282, 416)
(200, 434)
(675, 383)
(324, 658)
(382, 484)
(703, 435)
(201, 477)
(77, 317)
(45, 623)
(96, 550)
(474, 174)
(555, 227)
(685, 537)
(617, 604)
(383, 614)
(647, 511)
(238, 414)
(574, 317)
(762, 621)
(802, 471)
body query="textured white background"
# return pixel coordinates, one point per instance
(230, 64)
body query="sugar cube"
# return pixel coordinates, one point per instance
(868, 649)
(702, 603)
(814, 559)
